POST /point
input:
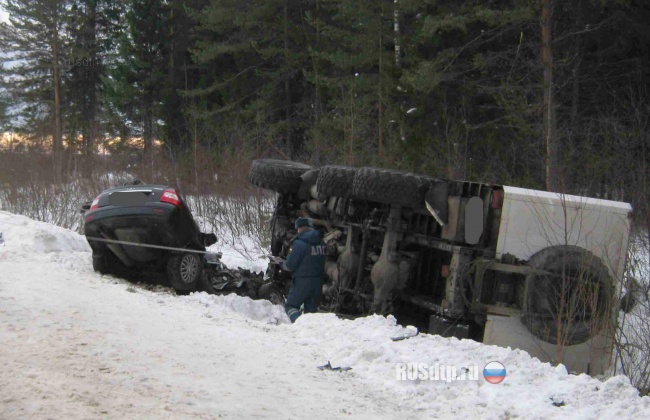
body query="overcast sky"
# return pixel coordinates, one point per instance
(4, 16)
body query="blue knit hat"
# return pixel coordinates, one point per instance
(304, 221)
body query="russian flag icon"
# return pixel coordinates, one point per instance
(494, 372)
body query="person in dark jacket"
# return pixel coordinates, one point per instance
(306, 262)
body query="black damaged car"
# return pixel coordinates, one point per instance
(141, 228)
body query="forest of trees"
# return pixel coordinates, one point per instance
(547, 94)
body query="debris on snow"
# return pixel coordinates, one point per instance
(328, 366)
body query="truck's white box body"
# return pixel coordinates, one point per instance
(533, 220)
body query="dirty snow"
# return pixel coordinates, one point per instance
(75, 344)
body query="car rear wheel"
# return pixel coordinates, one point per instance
(184, 272)
(100, 265)
(107, 263)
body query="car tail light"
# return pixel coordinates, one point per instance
(444, 271)
(170, 196)
(497, 199)
(95, 203)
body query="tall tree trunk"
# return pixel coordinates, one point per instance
(575, 95)
(398, 59)
(396, 33)
(317, 89)
(175, 122)
(287, 85)
(91, 123)
(350, 161)
(57, 135)
(147, 134)
(380, 106)
(548, 117)
(644, 191)
(380, 116)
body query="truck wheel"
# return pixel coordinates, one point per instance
(569, 299)
(388, 186)
(281, 176)
(184, 272)
(270, 292)
(336, 180)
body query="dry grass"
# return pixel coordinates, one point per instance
(239, 213)
(241, 223)
(222, 199)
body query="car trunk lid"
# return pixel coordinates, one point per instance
(131, 196)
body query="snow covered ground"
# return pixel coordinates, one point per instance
(74, 344)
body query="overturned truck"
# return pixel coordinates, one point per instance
(508, 266)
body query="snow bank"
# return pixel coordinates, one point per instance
(258, 310)
(33, 241)
(531, 389)
(26, 237)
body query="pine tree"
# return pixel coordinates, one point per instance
(92, 31)
(256, 56)
(92, 36)
(138, 78)
(33, 46)
(5, 100)
(471, 73)
(355, 57)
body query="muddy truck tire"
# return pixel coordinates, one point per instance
(388, 186)
(587, 289)
(282, 176)
(336, 180)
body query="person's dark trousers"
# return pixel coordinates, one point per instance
(304, 290)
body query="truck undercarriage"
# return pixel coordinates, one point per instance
(401, 242)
